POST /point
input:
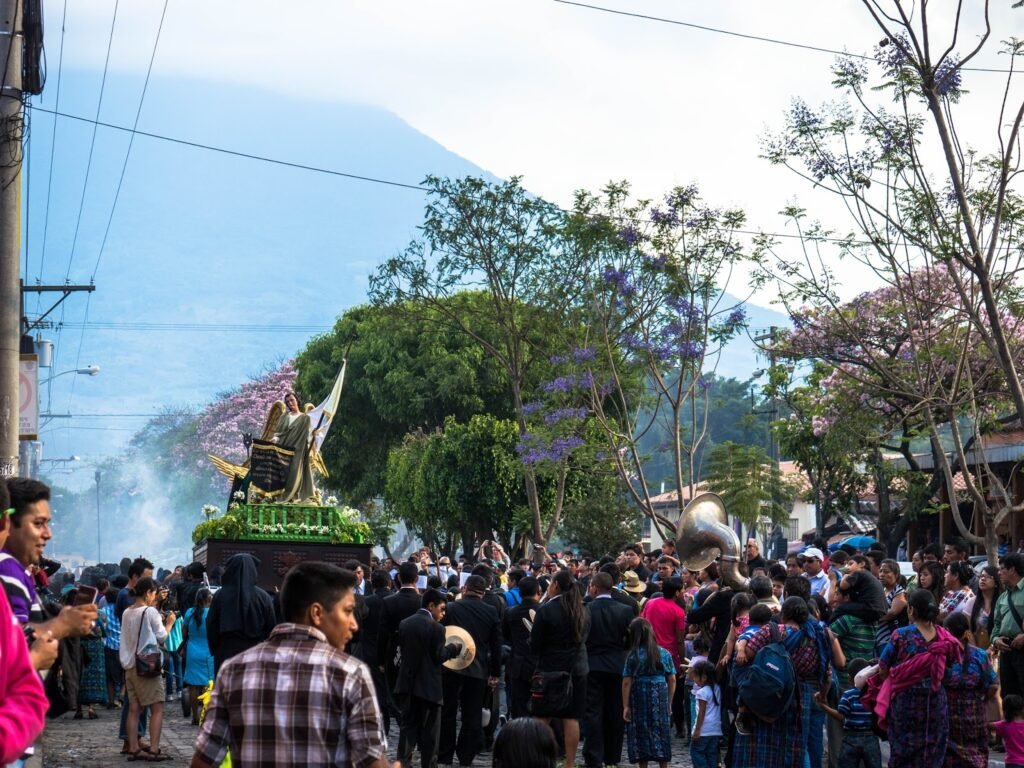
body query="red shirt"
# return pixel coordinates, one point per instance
(669, 620)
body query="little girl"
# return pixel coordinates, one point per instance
(707, 729)
(648, 683)
(1011, 730)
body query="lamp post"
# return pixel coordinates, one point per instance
(99, 550)
(89, 370)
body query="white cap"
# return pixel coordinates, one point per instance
(813, 552)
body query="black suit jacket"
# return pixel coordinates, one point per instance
(553, 642)
(421, 640)
(369, 626)
(522, 660)
(482, 622)
(609, 629)
(394, 608)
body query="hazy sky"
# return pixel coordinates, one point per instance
(565, 96)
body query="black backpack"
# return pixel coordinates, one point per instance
(768, 686)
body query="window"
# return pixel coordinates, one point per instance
(792, 529)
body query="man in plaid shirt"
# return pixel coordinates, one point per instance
(297, 699)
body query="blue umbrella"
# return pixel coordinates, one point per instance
(860, 542)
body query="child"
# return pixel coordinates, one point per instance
(759, 615)
(1011, 730)
(707, 730)
(648, 683)
(860, 744)
(740, 618)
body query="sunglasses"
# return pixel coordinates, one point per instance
(9, 511)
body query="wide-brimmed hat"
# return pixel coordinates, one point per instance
(459, 636)
(633, 583)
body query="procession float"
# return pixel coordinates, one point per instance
(275, 511)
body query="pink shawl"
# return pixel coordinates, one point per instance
(22, 701)
(931, 663)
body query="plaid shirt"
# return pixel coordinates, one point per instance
(293, 700)
(111, 627)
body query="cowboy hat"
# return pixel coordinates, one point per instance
(633, 583)
(460, 637)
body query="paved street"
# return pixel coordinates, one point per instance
(90, 744)
(72, 743)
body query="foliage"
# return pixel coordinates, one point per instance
(340, 526)
(510, 245)
(657, 315)
(749, 484)
(937, 222)
(404, 373)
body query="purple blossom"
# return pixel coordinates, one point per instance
(737, 316)
(628, 235)
(584, 355)
(947, 77)
(561, 414)
(691, 350)
(620, 279)
(561, 384)
(892, 55)
(659, 216)
(531, 408)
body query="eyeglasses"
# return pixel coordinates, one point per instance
(9, 511)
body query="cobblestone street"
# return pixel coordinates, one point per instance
(70, 743)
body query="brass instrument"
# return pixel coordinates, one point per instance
(704, 534)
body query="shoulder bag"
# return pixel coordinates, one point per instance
(150, 662)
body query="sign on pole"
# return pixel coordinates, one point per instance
(28, 398)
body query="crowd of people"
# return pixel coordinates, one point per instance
(598, 661)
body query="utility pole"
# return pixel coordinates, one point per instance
(11, 132)
(99, 550)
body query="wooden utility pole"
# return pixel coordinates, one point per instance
(11, 133)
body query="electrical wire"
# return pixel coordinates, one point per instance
(53, 147)
(744, 36)
(92, 143)
(99, 325)
(331, 172)
(131, 142)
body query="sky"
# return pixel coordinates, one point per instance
(565, 96)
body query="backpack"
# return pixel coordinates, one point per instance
(768, 686)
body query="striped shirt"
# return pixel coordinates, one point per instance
(855, 716)
(20, 588)
(293, 700)
(856, 638)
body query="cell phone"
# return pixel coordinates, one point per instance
(85, 595)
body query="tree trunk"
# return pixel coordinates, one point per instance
(884, 502)
(991, 538)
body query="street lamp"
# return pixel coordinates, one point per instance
(89, 370)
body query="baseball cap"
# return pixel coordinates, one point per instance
(813, 552)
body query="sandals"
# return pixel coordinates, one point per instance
(159, 756)
(149, 757)
(139, 754)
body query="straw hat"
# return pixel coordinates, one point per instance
(460, 637)
(633, 583)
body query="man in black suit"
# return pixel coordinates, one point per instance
(423, 650)
(521, 662)
(606, 655)
(618, 595)
(369, 648)
(467, 688)
(494, 597)
(394, 609)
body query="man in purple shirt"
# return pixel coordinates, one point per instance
(29, 533)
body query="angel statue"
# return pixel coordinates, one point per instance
(280, 468)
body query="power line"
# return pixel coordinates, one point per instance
(131, 141)
(331, 172)
(53, 147)
(233, 152)
(744, 36)
(92, 143)
(205, 327)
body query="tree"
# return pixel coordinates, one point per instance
(508, 244)
(749, 484)
(657, 314)
(925, 209)
(406, 372)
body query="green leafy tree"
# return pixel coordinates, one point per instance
(405, 372)
(508, 244)
(749, 484)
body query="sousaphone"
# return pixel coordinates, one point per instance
(705, 535)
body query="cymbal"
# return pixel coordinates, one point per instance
(462, 638)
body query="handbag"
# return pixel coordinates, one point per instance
(550, 693)
(149, 663)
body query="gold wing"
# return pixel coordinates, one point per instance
(228, 469)
(272, 418)
(316, 462)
